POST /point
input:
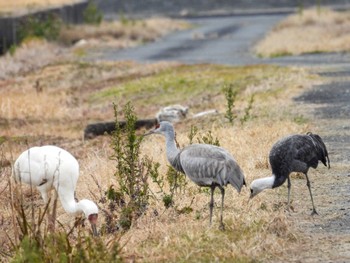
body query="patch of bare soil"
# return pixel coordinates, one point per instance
(326, 237)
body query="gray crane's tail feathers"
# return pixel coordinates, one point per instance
(321, 149)
(237, 180)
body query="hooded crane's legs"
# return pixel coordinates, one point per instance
(289, 186)
(211, 205)
(312, 200)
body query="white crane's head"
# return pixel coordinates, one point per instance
(261, 184)
(90, 211)
(164, 127)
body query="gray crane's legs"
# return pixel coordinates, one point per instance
(222, 226)
(289, 186)
(211, 204)
(312, 200)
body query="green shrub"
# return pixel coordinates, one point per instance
(132, 171)
(48, 28)
(247, 111)
(230, 95)
(34, 242)
(92, 15)
(57, 247)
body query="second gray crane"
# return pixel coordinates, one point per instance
(206, 165)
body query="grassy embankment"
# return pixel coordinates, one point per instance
(53, 104)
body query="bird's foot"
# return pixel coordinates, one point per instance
(290, 209)
(222, 227)
(314, 212)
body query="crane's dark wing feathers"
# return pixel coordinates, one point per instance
(297, 153)
(321, 149)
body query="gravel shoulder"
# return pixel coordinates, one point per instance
(326, 237)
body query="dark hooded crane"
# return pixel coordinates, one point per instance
(49, 167)
(206, 165)
(294, 153)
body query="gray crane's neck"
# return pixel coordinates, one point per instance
(171, 150)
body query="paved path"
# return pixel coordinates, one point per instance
(223, 40)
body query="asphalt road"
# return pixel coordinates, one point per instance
(218, 39)
(223, 40)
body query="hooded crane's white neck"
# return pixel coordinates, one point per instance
(261, 184)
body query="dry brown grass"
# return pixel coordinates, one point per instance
(312, 31)
(34, 53)
(56, 110)
(23, 6)
(121, 34)
(48, 99)
(31, 55)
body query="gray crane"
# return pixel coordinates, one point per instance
(206, 165)
(294, 153)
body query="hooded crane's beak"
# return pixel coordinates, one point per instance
(93, 222)
(251, 194)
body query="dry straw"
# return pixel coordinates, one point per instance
(312, 31)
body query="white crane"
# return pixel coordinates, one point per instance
(49, 167)
(206, 165)
(294, 153)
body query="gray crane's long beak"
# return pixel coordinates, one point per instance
(93, 221)
(148, 133)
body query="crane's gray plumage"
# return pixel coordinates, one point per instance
(206, 165)
(294, 153)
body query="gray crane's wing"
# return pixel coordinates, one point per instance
(208, 164)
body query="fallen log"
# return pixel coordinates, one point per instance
(95, 129)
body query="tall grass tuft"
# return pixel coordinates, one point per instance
(33, 240)
(247, 111)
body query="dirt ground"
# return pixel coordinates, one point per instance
(327, 235)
